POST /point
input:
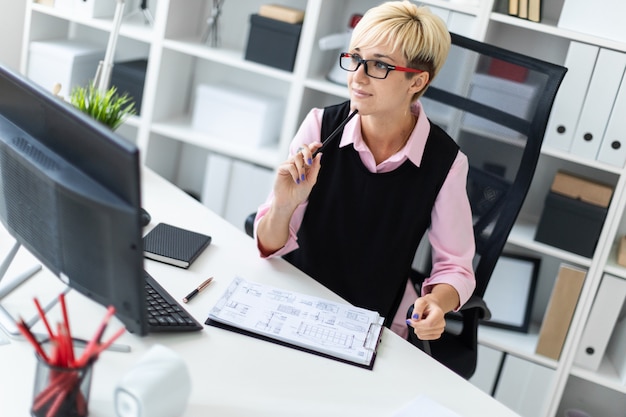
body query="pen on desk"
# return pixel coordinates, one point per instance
(197, 290)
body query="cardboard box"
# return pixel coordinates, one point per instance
(560, 311)
(582, 189)
(570, 224)
(68, 62)
(273, 42)
(282, 13)
(241, 116)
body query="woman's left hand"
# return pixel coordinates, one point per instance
(428, 321)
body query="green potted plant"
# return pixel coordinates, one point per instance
(109, 108)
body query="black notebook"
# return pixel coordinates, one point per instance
(173, 245)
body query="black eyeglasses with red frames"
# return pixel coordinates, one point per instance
(373, 68)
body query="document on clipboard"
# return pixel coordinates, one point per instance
(328, 328)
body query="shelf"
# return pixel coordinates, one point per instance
(462, 6)
(519, 344)
(523, 236)
(606, 375)
(229, 57)
(591, 163)
(612, 267)
(550, 27)
(180, 129)
(132, 26)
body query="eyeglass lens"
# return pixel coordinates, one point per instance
(373, 68)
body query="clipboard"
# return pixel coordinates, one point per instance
(311, 324)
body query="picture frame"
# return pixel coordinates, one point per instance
(511, 292)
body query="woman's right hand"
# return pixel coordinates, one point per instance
(296, 177)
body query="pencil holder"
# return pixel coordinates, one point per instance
(61, 391)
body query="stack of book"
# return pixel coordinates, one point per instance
(526, 9)
(282, 13)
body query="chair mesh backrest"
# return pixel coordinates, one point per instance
(496, 104)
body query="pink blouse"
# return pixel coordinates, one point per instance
(451, 235)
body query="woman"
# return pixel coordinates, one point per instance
(353, 215)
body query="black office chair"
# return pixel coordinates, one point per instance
(464, 100)
(496, 104)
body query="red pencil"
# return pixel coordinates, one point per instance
(23, 328)
(42, 315)
(68, 335)
(92, 345)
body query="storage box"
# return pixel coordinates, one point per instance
(273, 42)
(241, 116)
(582, 189)
(70, 63)
(64, 5)
(570, 224)
(129, 77)
(96, 8)
(510, 96)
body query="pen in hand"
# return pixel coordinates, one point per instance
(197, 290)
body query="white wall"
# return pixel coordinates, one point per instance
(11, 28)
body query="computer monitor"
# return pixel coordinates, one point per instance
(70, 193)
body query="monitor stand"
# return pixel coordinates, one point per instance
(7, 322)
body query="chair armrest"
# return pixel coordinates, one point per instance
(477, 302)
(249, 224)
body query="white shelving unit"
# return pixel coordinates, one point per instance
(178, 61)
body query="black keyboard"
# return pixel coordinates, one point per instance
(165, 314)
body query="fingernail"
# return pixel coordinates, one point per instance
(302, 177)
(298, 181)
(416, 316)
(408, 321)
(310, 161)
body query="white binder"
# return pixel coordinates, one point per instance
(594, 116)
(613, 146)
(616, 351)
(580, 61)
(216, 182)
(249, 187)
(599, 327)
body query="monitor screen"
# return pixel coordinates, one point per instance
(70, 193)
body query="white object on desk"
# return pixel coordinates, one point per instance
(425, 406)
(158, 386)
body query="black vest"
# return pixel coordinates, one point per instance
(361, 230)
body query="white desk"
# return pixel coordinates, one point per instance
(233, 374)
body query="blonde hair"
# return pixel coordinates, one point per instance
(421, 36)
